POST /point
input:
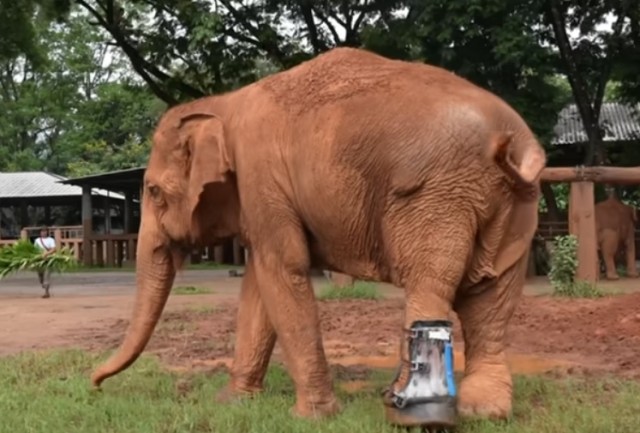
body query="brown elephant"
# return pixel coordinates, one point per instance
(379, 169)
(615, 227)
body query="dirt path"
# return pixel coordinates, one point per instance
(197, 331)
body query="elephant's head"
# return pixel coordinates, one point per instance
(189, 195)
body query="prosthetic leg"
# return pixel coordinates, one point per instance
(428, 397)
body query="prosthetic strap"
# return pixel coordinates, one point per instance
(431, 377)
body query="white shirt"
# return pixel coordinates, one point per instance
(47, 243)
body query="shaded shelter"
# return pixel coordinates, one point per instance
(39, 198)
(116, 247)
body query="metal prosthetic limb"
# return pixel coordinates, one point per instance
(428, 396)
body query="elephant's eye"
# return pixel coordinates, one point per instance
(155, 193)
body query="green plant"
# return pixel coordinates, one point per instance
(359, 290)
(23, 255)
(191, 290)
(564, 263)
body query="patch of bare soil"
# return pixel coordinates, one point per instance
(602, 334)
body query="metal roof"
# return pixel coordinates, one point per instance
(27, 184)
(121, 180)
(620, 122)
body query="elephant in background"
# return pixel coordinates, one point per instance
(378, 169)
(615, 227)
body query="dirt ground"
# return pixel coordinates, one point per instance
(197, 331)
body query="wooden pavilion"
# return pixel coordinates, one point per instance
(29, 200)
(108, 249)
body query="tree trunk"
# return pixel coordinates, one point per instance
(550, 200)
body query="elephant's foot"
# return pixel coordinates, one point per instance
(632, 275)
(613, 277)
(233, 393)
(438, 414)
(424, 392)
(316, 411)
(486, 395)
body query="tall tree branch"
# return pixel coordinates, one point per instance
(326, 22)
(576, 81)
(270, 47)
(143, 67)
(612, 49)
(306, 10)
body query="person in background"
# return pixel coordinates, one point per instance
(48, 245)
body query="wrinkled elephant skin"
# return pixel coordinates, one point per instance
(382, 170)
(615, 226)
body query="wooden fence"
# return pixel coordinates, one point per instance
(117, 250)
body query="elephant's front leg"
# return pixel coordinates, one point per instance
(255, 339)
(282, 267)
(486, 389)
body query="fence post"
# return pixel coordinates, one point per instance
(57, 235)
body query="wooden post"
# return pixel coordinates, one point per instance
(582, 224)
(107, 214)
(57, 236)
(237, 254)
(24, 213)
(87, 226)
(531, 264)
(218, 254)
(128, 212)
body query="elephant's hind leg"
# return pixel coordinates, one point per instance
(486, 389)
(430, 264)
(255, 339)
(609, 247)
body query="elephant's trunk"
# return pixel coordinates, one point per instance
(155, 273)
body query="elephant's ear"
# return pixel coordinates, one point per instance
(208, 161)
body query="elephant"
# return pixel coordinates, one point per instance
(615, 227)
(380, 169)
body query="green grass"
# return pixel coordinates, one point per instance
(578, 289)
(50, 393)
(191, 290)
(199, 266)
(360, 290)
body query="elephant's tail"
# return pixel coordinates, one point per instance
(522, 161)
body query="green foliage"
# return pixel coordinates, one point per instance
(23, 255)
(564, 264)
(98, 156)
(579, 289)
(81, 93)
(106, 69)
(359, 290)
(149, 399)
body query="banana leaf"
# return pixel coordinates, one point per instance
(24, 256)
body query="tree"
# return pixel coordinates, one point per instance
(78, 92)
(592, 58)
